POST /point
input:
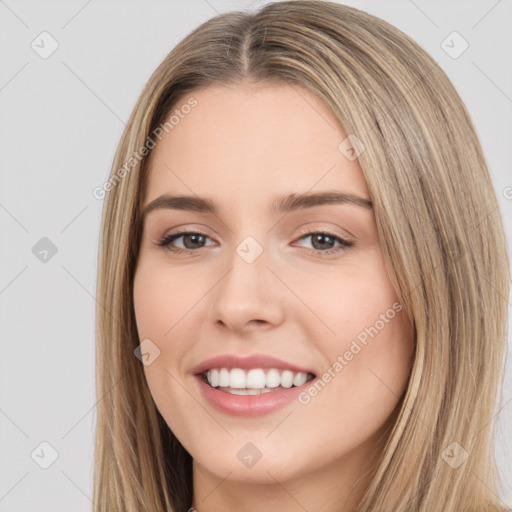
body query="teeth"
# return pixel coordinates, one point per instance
(243, 391)
(300, 379)
(213, 378)
(273, 378)
(287, 379)
(237, 378)
(223, 378)
(255, 381)
(247, 391)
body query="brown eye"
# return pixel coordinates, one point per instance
(324, 242)
(192, 241)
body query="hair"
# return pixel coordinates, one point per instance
(440, 231)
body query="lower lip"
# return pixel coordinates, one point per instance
(249, 405)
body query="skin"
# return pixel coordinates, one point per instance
(242, 146)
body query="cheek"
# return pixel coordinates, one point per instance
(368, 347)
(161, 297)
(364, 383)
(156, 304)
(164, 306)
(157, 309)
(352, 301)
(379, 361)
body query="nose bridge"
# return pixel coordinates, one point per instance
(249, 290)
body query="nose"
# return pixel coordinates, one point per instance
(249, 296)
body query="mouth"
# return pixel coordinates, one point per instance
(254, 381)
(250, 385)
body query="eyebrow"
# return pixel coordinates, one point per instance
(281, 204)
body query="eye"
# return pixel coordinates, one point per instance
(324, 242)
(191, 241)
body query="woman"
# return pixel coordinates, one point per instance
(302, 271)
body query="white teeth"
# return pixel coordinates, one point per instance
(254, 381)
(237, 378)
(245, 391)
(273, 378)
(238, 391)
(213, 377)
(300, 379)
(287, 379)
(223, 378)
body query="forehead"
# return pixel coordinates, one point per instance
(254, 139)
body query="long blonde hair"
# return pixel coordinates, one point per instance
(440, 231)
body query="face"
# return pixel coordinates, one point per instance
(277, 344)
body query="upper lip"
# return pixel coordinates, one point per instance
(246, 363)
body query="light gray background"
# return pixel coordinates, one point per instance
(61, 119)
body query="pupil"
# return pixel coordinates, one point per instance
(323, 237)
(194, 240)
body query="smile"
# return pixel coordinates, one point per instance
(250, 385)
(254, 381)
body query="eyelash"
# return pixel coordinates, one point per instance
(168, 239)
